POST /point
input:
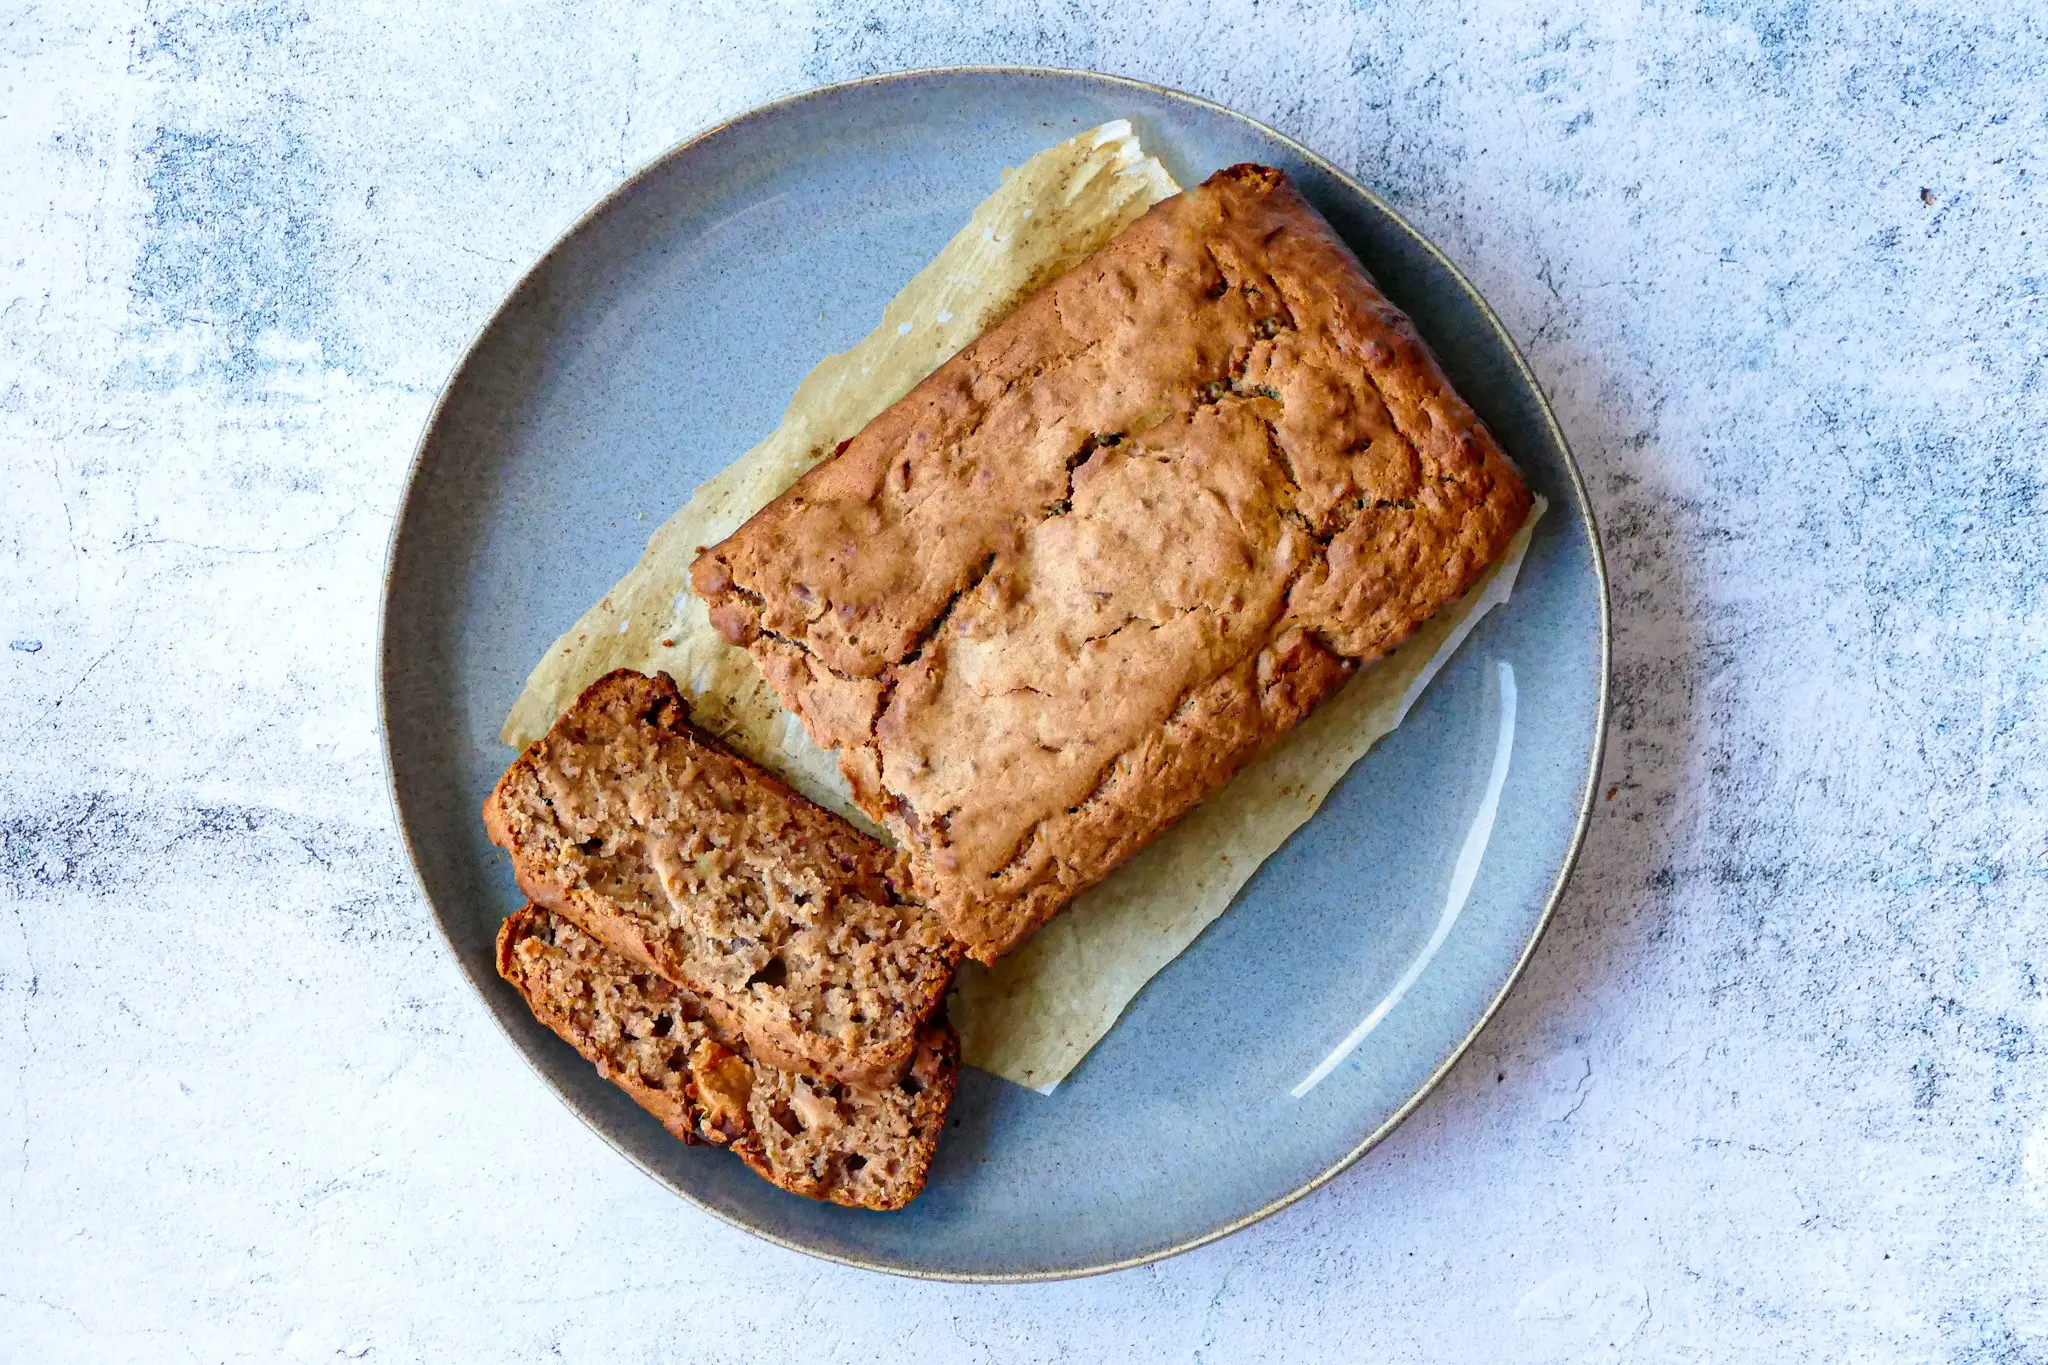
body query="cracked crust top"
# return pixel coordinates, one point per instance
(1077, 578)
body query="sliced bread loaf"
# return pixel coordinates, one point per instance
(865, 1149)
(781, 917)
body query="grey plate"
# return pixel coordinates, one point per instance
(661, 338)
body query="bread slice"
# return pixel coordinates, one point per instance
(866, 1149)
(779, 916)
(1081, 575)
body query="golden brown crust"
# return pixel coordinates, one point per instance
(695, 864)
(862, 1148)
(1077, 578)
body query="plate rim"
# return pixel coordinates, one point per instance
(1587, 799)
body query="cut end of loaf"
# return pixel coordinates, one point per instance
(698, 865)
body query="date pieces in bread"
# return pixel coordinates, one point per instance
(864, 1148)
(694, 864)
(1077, 578)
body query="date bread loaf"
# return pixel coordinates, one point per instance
(1090, 567)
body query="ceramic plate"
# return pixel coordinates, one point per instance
(659, 340)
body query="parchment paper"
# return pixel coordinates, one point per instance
(1034, 1015)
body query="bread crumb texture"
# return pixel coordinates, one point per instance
(864, 1147)
(692, 862)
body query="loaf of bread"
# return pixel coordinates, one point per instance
(864, 1148)
(1077, 578)
(696, 865)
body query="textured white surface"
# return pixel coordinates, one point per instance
(1776, 1087)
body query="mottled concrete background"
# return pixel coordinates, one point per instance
(1776, 1087)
